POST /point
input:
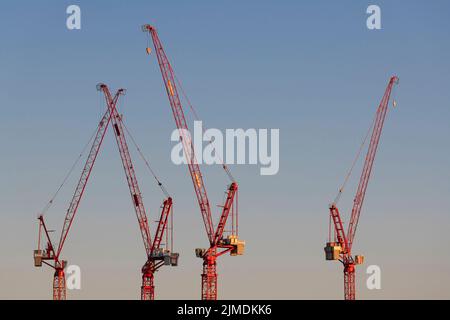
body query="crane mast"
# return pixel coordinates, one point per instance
(341, 248)
(158, 257)
(215, 236)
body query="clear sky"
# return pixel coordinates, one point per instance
(310, 68)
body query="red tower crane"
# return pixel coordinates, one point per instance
(50, 253)
(156, 256)
(341, 248)
(218, 244)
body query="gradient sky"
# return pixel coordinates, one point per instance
(310, 68)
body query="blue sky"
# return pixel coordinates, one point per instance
(310, 68)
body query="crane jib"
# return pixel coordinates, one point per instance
(368, 164)
(90, 161)
(129, 169)
(346, 239)
(180, 121)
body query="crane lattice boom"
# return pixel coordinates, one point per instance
(368, 164)
(127, 163)
(180, 120)
(85, 174)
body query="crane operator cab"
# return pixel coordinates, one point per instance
(332, 251)
(238, 245)
(169, 258)
(39, 255)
